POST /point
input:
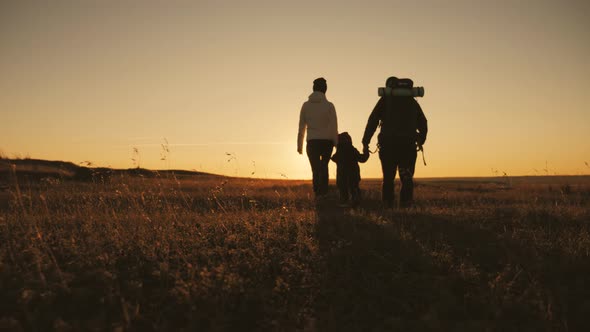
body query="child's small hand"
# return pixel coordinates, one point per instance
(365, 149)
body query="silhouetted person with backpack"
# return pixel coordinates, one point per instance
(318, 118)
(403, 129)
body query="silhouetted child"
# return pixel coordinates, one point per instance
(348, 174)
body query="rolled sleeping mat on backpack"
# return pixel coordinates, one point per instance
(401, 92)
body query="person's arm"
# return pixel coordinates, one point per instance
(334, 125)
(301, 132)
(361, 158)
(373, 122)
(422, 126)
(335, 157)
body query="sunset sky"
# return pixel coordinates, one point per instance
(221, 83)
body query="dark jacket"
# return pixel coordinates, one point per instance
(347, 159)
(401, 118)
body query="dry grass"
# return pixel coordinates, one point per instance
(238, 254)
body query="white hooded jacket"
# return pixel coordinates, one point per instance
(318, 116)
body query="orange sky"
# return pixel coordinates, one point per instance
(506, 81)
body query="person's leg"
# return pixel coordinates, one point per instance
(388, 167)
(406, 173)
(341, 181)
(325, 154)
(313, 153)
(355, 192)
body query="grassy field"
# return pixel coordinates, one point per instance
(131, 253)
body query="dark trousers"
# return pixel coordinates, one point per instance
(398, 156)
(348, 185)
(319, 152)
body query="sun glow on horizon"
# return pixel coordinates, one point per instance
(91, 82)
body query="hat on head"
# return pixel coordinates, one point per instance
(319, 84)
(344, 137)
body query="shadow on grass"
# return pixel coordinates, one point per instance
(408, 270)
(373, 279)
(516, 269)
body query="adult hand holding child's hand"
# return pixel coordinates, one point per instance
(365, 148)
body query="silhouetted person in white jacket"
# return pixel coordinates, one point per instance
(318, 117)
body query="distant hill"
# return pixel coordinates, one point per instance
(37, 169)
